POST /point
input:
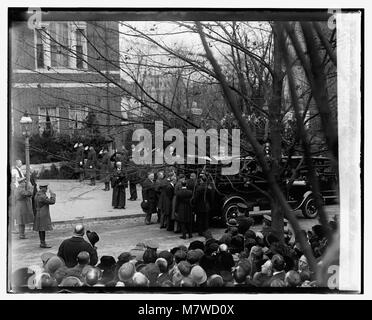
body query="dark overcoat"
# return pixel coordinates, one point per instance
(149, 194)
(183, 205)
(105, 168)
(202, 199)
(42, 221)
(119, 183)
(79, 160)
(91, 164)
(160, 185)
(168, 199)
(23, 205)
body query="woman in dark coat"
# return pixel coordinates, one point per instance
(183, 210)
(118, 183)
(42, 221)
(23, 207)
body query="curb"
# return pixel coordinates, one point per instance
(87, 220)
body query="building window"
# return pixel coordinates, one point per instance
(80, 41)
(77, 116)
(61, 45)
(53, 113)
(40, 47)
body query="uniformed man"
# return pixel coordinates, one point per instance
(42, 221)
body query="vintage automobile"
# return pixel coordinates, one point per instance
(250, 187)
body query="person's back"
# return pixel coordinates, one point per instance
(70, 248)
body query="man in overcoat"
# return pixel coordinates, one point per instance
(79, 161)
(201, 203)
(105, 169)
(119, 183)
(23, 206)
(42, 221)
(183, 209)
(149, 196)
(91, 165)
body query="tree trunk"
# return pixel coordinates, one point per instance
(275, 132)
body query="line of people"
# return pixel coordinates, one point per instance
(181, 204)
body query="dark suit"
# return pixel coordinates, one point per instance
(118, 183)
(201, 203)
(168, 205)
(183, 210)
(149, 194)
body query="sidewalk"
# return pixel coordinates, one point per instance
(78, 201)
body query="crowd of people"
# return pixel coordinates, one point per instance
(240, 258)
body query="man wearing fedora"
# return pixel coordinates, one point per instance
(42, 221)
(70, 248)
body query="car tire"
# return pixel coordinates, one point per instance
(230, 211)
(309, 209)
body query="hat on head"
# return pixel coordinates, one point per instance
(184, 267)
(151, 271)
(79, 229)
(53, 264)
(180, 255)
(200, 253)
(215, 280)
(232, 223)
(43, 185)
(149, 256)
(187, 282)
(192, 256)
(60, 274)
(197, 244)
(44, 280)
(145, 205)
(46, 256)
(226, 238)
(140, 280)
(198, 275)
(125, 257)
(92, 237)
(152, 244)
(167, 256)
(71, 282)
(126, 271)
(106, 262)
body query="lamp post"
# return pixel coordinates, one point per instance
(26, 123)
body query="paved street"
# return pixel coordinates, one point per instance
(78, 201)
(116, 236)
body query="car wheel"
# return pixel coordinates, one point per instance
(309, 209)
(231, 211)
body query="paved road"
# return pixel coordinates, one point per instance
(116, 236)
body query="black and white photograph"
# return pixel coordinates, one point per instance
(184, 150)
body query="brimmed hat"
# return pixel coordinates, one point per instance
(125, 257)
(184, 267)
(197, 244)
(192, 256)
(126, 271)
(198, 275)
(71, 282)
(92, 237)
(145, 205)
(43, 185)
(232, 223)
(152, 244)
(46, 256)
(167, 256)
(106, 262)
(53, 264)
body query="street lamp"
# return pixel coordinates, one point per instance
(26, 123)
